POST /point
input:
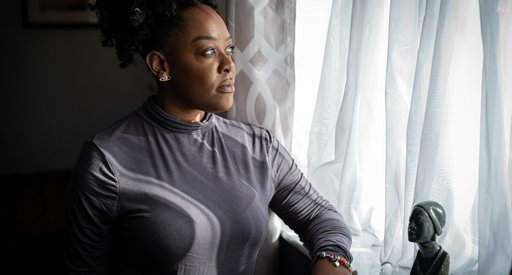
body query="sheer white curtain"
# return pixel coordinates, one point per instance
(415, 103)
(495, 203)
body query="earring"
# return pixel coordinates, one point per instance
(165, 77)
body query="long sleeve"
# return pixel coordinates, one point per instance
(154, 195)
(318, 224)
(91, 202)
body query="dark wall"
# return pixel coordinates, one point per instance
(58, 86)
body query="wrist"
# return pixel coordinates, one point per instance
(336, 261)
(324, 267)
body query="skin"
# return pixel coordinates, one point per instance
(199, 61)
(421, 231)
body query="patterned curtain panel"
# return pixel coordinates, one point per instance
(264, 34)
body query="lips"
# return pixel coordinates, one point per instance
(226, 87)
(412, 234)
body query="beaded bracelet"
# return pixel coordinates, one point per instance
(336, 260)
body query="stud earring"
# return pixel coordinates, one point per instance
(165, 77)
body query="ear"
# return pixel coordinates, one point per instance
(157, 63)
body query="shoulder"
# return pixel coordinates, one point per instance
(444, 263)
(118, 126)
(230, 123)
(443, 255)
(118, 132)
(243, 131)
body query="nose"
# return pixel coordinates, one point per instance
(226, 65)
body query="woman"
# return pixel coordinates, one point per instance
(425, 224)
(173, 188)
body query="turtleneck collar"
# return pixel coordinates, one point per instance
(170, 123)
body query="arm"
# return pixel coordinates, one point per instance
(319, 225)
(90, 206)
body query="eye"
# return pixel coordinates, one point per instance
(209, 52)
(230, 50)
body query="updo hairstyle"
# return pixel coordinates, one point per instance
(139, 26)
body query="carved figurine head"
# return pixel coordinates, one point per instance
(426, 222)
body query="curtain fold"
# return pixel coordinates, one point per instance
(495, 203)
(405, 28)
(348, 142)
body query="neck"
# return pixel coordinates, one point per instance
(429, 249)
(187, 115)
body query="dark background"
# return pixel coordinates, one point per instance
(58, 87)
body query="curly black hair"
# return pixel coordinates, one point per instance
(140, 26)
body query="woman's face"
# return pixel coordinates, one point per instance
(420, 228)
(200, 63)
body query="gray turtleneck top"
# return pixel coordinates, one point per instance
(154, 195)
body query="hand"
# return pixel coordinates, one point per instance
(325, 267)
